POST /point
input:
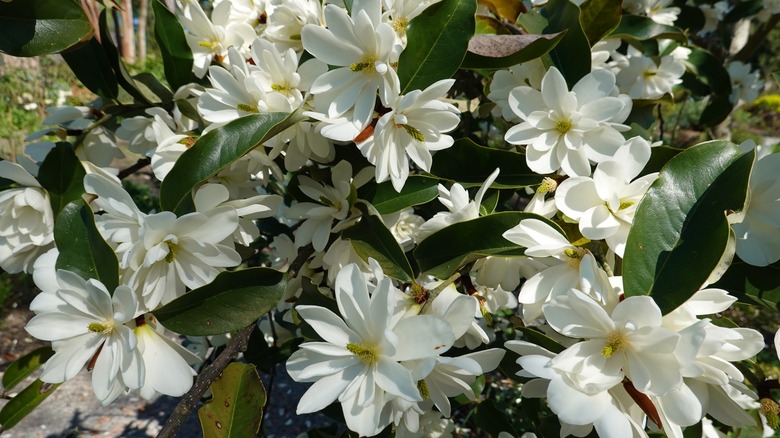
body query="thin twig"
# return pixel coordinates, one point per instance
(237, 344)
(140, 164)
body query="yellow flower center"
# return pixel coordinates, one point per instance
(615, 343)
(247, 108)
(399, 25)
(423, 388)
(172, 248)
(563, 126)
(548, 185)
(414, 133)
(625, 204)
(368, 354)
(365, 66)
(105, 328)
(211, 45)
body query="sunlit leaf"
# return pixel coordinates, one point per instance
(41, 27)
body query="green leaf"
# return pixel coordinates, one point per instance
(660, 155)
(215, 151)
(536, 337)
(600, 17)
(117, 65)
(753, 284)
(437, 41)
(230, 302)
(638, 28)
(417, 190)
(92, 67)
(490, 52)
(24, 403)
(371, 238)
(24, 366)
(41, 27)
(62, 175)
(470, 164)
(445, 251)
(492, 420)
(680, 230)
(176, 53)
(572, 54)
(82, 248)
(153, 89)
(236, 406)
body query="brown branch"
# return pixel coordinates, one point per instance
(140, 164)
(237, 344)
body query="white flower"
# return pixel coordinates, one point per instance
(400, 12)
(504, 81)
(87, 323)
(642, 78)
(569, 129)
(287, 20)
(139, 131)
(745, 84)
(363, 46)
(657, 10)
(358, 362)
(403, 224)
(412, 129)
(604, 205)
(26, 220)
(713, 14)
(758, 233)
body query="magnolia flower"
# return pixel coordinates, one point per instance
(403, 224)
(569, 129)
(504, 81)
(657, 10)
(288, 18)
(412, 129)
(88, 322)
(358, 361)
(400, 12)
(745, 84)
(140, 131)
(26, 220)
(363, 47)
(642, 78)
(604, 205)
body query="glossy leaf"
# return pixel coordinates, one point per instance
(82, 248)
(371, 238)
(470, 164)
(753, 284)
(680, 229)
(660, 155)
(417, 190)
(443, 252)
(638, 28)
(236, 405)
(123, 77)
(599, 18)
(176, 53)
(25, 402)
(92, 67)
(540, 339)
(437, 41)
(41, 27)
(24, 366)
(62, 175)
(713, 80)
(489, 52)
(572, 54)
(230, 302)
(215, 151)
(506, 10)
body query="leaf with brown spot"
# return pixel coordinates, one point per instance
(236, 407)
(490, 52)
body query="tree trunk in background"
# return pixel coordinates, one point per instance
(143, 8)
(127, 42)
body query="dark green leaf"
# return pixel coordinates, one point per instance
(719, 106)
(470, 164)
(92, 67)
(152, 88)
(776, 76)
(24, 366)
(215, 151)
(115, 60)
(536, 337)
(493, 420)
(660, 156)
(266, 358)
(230, 302)
(417, 190)
(572, 54)
(62, 175)
(487, 52)
(443, 252)
(708, 77)
(236, 406)
(533, 22)
(680, 229)
(82, 248)
(600, 17)
(638, 28)
(41, 27)
(437, 41)
(24, 403)
(371, 238)
(743, 9)
(753, 284)
(176, 53)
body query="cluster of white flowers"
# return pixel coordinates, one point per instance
(392, 353)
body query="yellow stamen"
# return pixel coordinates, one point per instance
(96, 327)
(615, 343)
(172, 248)
(414, 133)
(563, 126)
(247, 108)
(624, 205)
(365, 66)
(367, 354)
(548, 185)
(423, 388)
(399, 25)
(213, 45)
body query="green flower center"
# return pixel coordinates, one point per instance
(105, 328)
(615, 343)
(172, 248)
(414, 133)
(423, 388)
(563, 126)
(247, 108)
(368, 354)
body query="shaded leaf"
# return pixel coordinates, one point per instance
(599, 18)
(660, 155)
(92, 67)
(417, 190)
(638, 28)
(536, 337)
(753, 284)
(680, 229)
(371, 238)
(115, 60)
(470, 164)
(572, 54)
(176, 53)
(22, 367)
(437, 41)
(82, 248)
(24, 403)
(443, 252)
(41, 27)
(230, 302)
(506, 10)
(236, 406)
(62, 175)
(213, 152)
(488, 52)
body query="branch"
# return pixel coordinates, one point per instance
(757, 39)
(140, 164)
(190, 400)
